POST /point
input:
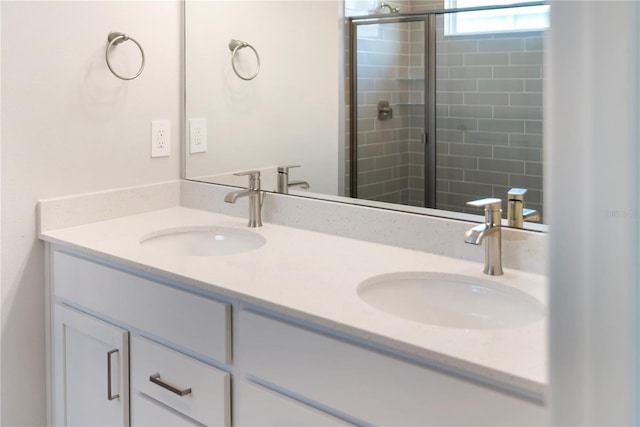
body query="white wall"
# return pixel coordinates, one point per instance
(0, 214)
(69, 126)
(591, 142)
(288, 114)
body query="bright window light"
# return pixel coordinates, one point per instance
(528, 18)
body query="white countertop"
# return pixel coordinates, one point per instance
(313, 277)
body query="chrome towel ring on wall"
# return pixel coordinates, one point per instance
(115, 38)
(234, 47)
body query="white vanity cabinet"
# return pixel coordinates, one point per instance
(256, 406)
(98, 366)
(368, 386)
(166, 352)
(91, 370)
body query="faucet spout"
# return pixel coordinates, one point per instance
(530, 215)
(299, 184)
(255, 196)
(476, 235)
(490, 232)
(235, 195)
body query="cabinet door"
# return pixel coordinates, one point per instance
(91, 371)
(256, 406)
(370, 386)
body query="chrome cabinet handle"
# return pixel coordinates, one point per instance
(155, 378)
(109, 395)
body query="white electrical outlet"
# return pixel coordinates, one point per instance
(160, 138)
(197, 135)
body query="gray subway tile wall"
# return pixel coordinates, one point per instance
(497, 126)
(489, 114)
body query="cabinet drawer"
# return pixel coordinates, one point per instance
(194, 322)
(146, 412)
(257, 406)
(207, 401)
(371, 386)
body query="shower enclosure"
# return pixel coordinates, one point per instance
(443, 111)
(390, 81)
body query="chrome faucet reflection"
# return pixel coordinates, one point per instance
(490, 232)
(283, 180)
(516, 212)
(256, 197)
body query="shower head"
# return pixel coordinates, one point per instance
(384, 5)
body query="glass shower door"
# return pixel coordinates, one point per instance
(388, 142)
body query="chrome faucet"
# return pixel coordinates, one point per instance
(516, 213)
(283, 180)
(256, 197)
(491, 231)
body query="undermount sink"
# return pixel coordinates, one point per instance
(202, 241)
(451, 300)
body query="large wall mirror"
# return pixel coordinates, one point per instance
(417, 105)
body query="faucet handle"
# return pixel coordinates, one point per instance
(252, 174)
(254, 178)
(285, 169)
(489, 204)
(517, 194)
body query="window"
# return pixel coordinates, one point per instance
(527, 18)
(359, 7)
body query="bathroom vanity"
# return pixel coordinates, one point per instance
(276, 334)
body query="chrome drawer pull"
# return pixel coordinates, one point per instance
(155, 378)
(109, 395)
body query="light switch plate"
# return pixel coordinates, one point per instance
(197, 135)
(160, 138)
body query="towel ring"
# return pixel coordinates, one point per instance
(234, 47)
(115, 38)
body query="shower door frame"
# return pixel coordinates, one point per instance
(429, 131)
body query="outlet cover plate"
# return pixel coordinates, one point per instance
(160, 138)
(197, 135)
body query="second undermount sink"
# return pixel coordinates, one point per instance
(451, 300)
(202, 241)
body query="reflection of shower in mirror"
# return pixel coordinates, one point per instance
(386, 8)
(464, 116)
